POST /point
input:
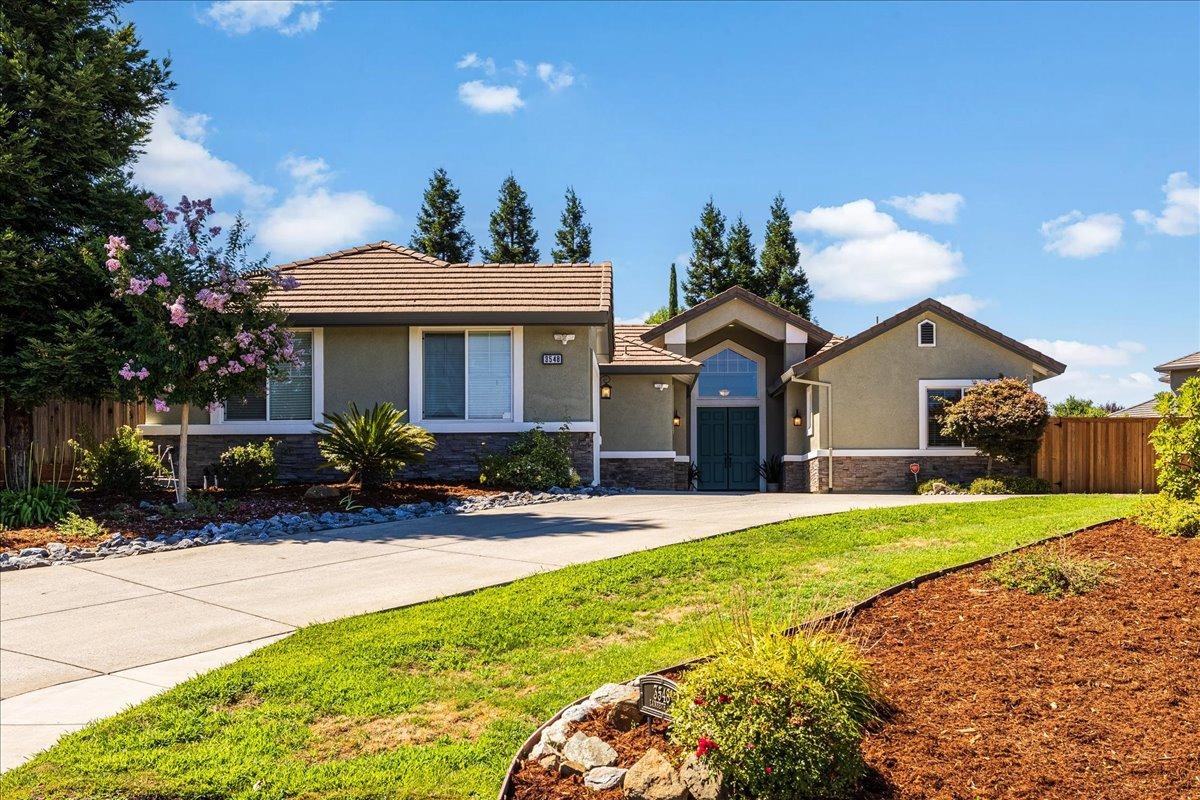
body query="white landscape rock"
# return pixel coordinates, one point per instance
(589, 751)
(701, 782)
(653, 777)
(555, 736)
(613, 693)
(580, 711)
(602, 778)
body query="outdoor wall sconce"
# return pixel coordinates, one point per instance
(662, 387)
(797, 420)
(564, 338)
(676, 420)
(723, 392)
(605, 388)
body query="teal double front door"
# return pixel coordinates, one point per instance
(727, 448)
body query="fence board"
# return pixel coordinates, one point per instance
(55, 424)
(1105, 454)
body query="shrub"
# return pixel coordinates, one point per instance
(771, 469)
(80, 527)
(779, 716)
(1002, 419)
(1048, 572)
(1168, 515)
(939, 486)
(44, 504)
(1079, 407)
(247, 466)
(121, 465)
(987, 486)
(535, 462)
(1019, 484)
(1176, 440)
(372, 446)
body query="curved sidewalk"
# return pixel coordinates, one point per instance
(81, 642)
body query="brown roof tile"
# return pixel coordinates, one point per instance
(1145, 409)
(632, 355)
(1191, 361)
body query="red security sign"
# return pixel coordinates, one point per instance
(914, 468)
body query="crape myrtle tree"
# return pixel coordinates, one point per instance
(573, 240)
(514, 239)
(77, 96)
(1002, 419)
(440, 232)
(200, 328)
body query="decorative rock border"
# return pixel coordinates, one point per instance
(282, 525)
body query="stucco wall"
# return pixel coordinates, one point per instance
(560, 393)
(683, 408)
(735, 311)
(1179, 376)
(366, 365)
(196, 416)
(875, 389)
(637, 416)
(772, 351)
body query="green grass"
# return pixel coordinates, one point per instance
(432, 700)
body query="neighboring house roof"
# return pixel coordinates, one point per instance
(814, 331)
(632, 356)
(925, 306)
(1145, 409)
(385, 283)
(1191, 361)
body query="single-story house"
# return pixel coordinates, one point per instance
(1173, 373)
(478, 353)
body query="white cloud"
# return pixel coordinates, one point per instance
(490, 99)
(521, 68)
(854, 220)
(557, 78)
(1127, 388)
(306, 172)
(289, 17)
(929, 206)
(1081, 354)
(176, 162)
(966, 303)
(473, 61)
(1181, 211)
(317, 220)
(638, 319)
(1075, 236)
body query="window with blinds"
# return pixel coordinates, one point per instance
(467, 375)
(287, 398)
(936, 401)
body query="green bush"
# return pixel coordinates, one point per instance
(1002, 419)
(1176, 440)
(778, 716)
(372, 446)
(121, 466)
(40, 505)
(1048, 572)
(1021, 484)
(79, 527)
(939, 486)
(247, 466)
(987, 486)
(535, 462)
(1168, 515)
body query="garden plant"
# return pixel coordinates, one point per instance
(121, 465)
(374, 445)
(535, 462)
(1175, 510)
(1001, 419)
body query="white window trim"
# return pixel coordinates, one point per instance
(759, 402)
(923, 387)
(217, 423)
(416, 385)
(808, 410)
(934, 342)
(936, 452)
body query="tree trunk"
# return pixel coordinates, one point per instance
(989, 472)
(181, 483)
(18, 443)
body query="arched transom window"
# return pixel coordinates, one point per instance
(728, 374)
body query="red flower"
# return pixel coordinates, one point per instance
(700, 701)
(704, 746)
(722, 698)
(769, 770)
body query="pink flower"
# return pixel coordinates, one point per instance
(152, 225)
(234, 367)
(211, 359)
(112, 264)
(240, 286)
(127, 372)
(162, 280)
(768, 770)
(193, 250)
(222, 371)
(172, 216)
(202, 365)
(214, 300)
(215, 230)
(155, 204)
(179, 315)
(138, 285)
(244, 338)
(143, 373)
(115, 245)
(160, 405)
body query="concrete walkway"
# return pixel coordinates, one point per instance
(84, 641)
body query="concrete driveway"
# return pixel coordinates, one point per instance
(83, 641)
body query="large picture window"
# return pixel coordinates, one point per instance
(467, 375)
(936, 401)
(728, 374)
(284, 399)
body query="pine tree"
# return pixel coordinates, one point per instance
(440, 232)
(780, 278)
(673, 294)
(573, 241)
(742, 260)
(514, 240)
(708, 270)
(77, 96)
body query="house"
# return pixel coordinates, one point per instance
(478, 353)
(1174, 373)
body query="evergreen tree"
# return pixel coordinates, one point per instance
(440, 232)
(742, 258)
(780, 278)
(708, 270)
(77, 95)
(514, 240)
(673, 294)
(573, 241)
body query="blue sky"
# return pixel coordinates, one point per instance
(1036, 164)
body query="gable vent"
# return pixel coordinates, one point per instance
(926, 333)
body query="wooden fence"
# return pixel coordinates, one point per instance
(1105, 454)
(57, 423)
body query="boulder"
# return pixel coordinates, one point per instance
(580, 711)
(568, 768)
(653, 777)
(624, 717)
(611, 693)
(602, 778)
(555, 736)
(590, 751)
(703, 783)
(321, 492)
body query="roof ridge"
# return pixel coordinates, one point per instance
(382, 244)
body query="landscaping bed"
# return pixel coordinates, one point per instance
(995, 692)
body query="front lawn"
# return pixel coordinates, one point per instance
(431, 701)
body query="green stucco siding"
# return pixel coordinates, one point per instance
(366, 365)
(561, 392)
(196, 416)
(637, 416)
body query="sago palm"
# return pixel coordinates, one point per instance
(372, 446)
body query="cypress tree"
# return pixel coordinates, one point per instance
(742, 258)
(673, 294)
(440, 232)
(514, 240)
(573, 241)
(708, 270)
(780, 278)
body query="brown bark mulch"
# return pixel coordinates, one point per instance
(999, 694)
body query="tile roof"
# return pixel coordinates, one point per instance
(631, 354)
(384, 280)
(1145, 409)
(1191, 361)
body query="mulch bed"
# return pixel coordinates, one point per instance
(131, 521)
(1000, 694)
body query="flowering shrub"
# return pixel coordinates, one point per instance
(778, 716)
(1002, 419)
(119, 466)
(247, 466)
(198, 313)
(535, 462)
